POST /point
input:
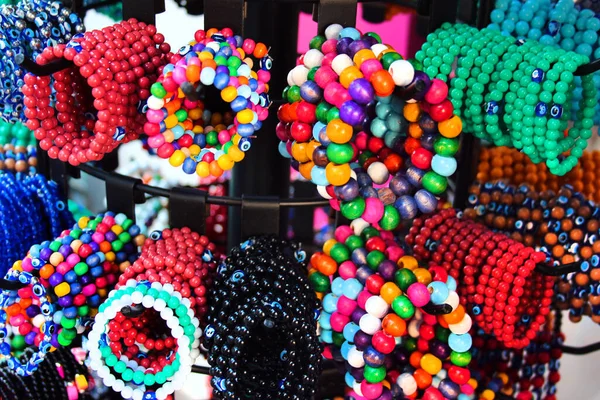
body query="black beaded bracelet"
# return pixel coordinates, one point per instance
(261, 334)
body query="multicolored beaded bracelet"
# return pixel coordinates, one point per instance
(124, 376)
(182, 124)
(98, 101)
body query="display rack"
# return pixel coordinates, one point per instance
(259, 189)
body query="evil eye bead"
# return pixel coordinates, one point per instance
(119, 133)
(266, 63)
(491, 108)
(541, 109)
(209, 331)
(245, 144)
(185, 49)
(156, 235)
(537, 75)
(556, 111)
(237, 276)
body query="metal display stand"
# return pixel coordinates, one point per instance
(259, 187)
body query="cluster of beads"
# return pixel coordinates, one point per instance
(561, 23)
(564, 225)
(505, 294)
(179, 257)
(97, 102)
(375, 134)
(514, 93)
(31, 211)
(378, 314)
(16, 134)
(26, 28)
(75, 271)
(261, 291)
(62, 376)
(521, 374)
(18, 159)
(185, 127)
(126, 376)
(512, 166)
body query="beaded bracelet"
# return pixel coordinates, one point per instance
(109, 116)
(184, 128)
(177, 314)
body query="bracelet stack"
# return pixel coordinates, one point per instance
(375, 134)
(182, 124)
(98, 101)
(261, 291)
(378, 314)
(514, 92)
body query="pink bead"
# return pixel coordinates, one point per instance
(438, 92)
(25, 328)
(98, 237)
(433, 394)
(190, 104)
(194, 61)
(355, 396)
(362, 298)
(467, 389)
(73, 259)
(369, 67)
(26, 265)
(338, 321)
(429, 319)
(17, 320)
(165, 150)
(234, 81)
(361, 140)
(156, 141)
(328, 59)
(248, 46)
(373, 210)
(346, 306)
(347, 270)
(155, 116)
(336, 94)
(25, 292)
(418, 294)
(264, 76)
(324, 76)
(224, 137)
(394, 253)
(89, 290)
(262, 113)
(371, 391)
(329, 46)
(170, 85)
(335, 204)
(342, 233)
(63, 268)
(72, 392)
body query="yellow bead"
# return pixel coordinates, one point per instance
(81, 382)
(236, 154)
(116, 229)
(423, 276)
(205, 55)
(389, 291)
(236, 139)
(242, 53)
(254, 75)
(83, 221)
(62, 289)
(186, 152)
(338, 175)
(229, 93)
(299, 152)
(56, 258)
(310, 149)
(503, 377)
(197, 128)
(305, 169)
(194, 149)
(110, 256)
(431, 364)
(177, 158)
(408, 262)
(488, 394)
(18, 265)
(473, 383)
(245, 116)
(225, 162)
(339, 132)
(202, 169)
(328, 245)
(171, 121)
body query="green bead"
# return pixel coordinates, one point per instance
(340, 153)
(69, 333)
(321, 111)
(152, 292)
(339, 253)
(319, 282)
(127, 224)
(442, 333)
(227, 146)
(105, 351)
(181, 310)
(234, 62)
(189, 330)
(374, 35)
(212, 138)
(293, 94)
(83, 310)
(158, 90)
(181, 115)
(374, 258)
(173, 302)
(446, 147)
(435, 183)
(364, 156)
(403, 307)
(55, 245)
(285, 92)
(404, 278)
(369, 232)
(125, 237)
(390, 219)
(81, 268)
(354, 242)
(161, 377)
(460, 359)
(120, 367)
(67, 323)
(353, 209)
(168, 370)
(127, 375)
(111, 360)
(338, 338)
(311, 73)
(374, 374)
(184, 320)
(164, 296)
(317, 42)
(138, 376)
(220, 60)
(410, 344)
(418, 65)
(117, 245)
(18, 342)
(333, 113)
(388, 58)
(149, 380)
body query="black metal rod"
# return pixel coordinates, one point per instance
(559, 270)
(581, 350)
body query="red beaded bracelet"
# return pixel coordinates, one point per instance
(97, 102)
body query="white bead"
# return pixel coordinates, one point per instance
(407, 383)
(214, 45)
(323, 192)
(357, 389)
(378, 172)
(290, 80)
(413, 328)
(100, 319)
(119, 385)
(184, 342)
(353, 174)
(110, 313)
(160, 394)
(369, 324)
(443, 374)
(186, 302)
(341, 62)
(132, 364)
(196, 323)
(95, 364)
(137, 297)
(299, 74)
(138, 394)
(166, 313)
(453, 300)
(109, 380)
(177, 332)
(377, 306)
(127, 392)
(355, 357)
(177, 295)
(333, 31)
(168, 288)
(159, 305)
(154, 103)
(56, 318)
(313, 58)
(156, 285)
(358, 225)
(402, 72)
(378, 48)
(463, 326)
(148, 301)
(435, 382)
(168, 387)
(172, 322)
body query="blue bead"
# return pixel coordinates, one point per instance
(70, 276)
(351, 33)
(326, 336)
(330, 303)
(400, 185)
(70, 312)
(541, 109)
(378, 127)
(406, 206)
(325, 320)
(460, 343)
(189, 166)
(426, 202)
(311, 92)
(444, 166)
(373, 358)
(349, 379)
(350, 330)
(317, 176)
(75, 288)
(359, 256)
(337, 286)
(439, 292)
(449, 389)
(414, 176)
(352, 288)
(345, 348)
(221, 81)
